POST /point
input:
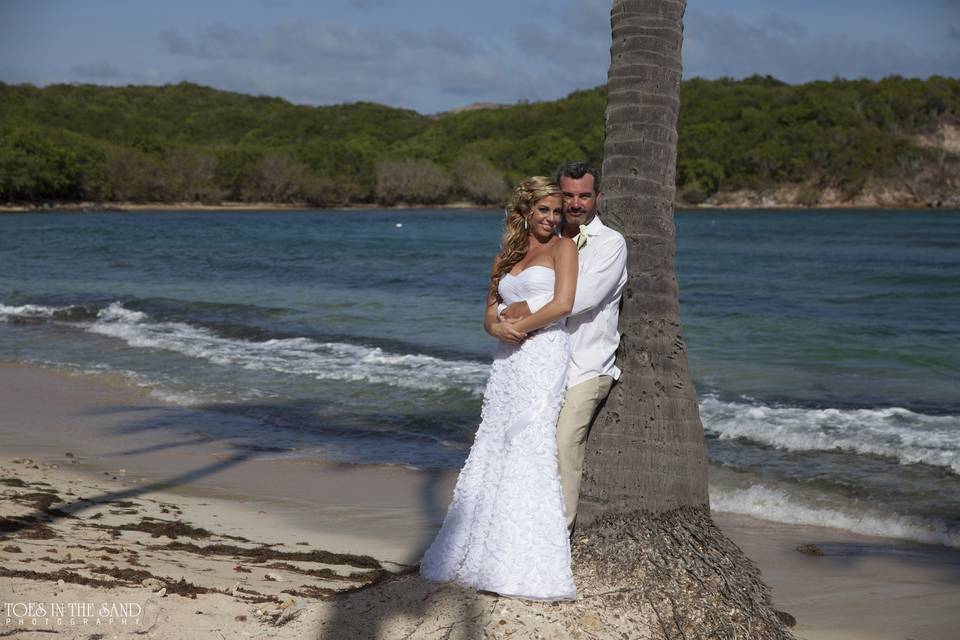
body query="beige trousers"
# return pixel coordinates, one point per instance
(579, 408)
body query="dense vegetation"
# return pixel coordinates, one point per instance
(186, 142)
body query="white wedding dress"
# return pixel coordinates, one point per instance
(505, 530)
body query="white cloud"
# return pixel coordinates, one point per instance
(437, 68)
(556, 47)
(722, 44)
(323, 62)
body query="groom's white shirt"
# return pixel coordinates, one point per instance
(592, 324)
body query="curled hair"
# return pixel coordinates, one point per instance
(514, 243)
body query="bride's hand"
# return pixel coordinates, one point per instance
(504, 331)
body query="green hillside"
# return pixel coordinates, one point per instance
(191, 143)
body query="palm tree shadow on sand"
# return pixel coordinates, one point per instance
(406, 606)
(73, 507)
(402, 603)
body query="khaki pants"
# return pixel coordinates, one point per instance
(579, 408)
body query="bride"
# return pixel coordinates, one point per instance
(505, 530)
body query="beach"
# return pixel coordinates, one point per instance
(121, 480)
(292, 393)
(248, 374)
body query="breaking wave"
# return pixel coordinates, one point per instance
(780, 505)
(893, 432)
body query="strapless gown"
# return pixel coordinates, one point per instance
(505, 530)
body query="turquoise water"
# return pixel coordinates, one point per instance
(825, 346)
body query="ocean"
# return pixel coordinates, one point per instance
(825, 345)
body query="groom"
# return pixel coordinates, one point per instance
(592, 323)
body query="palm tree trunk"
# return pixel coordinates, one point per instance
(644, 497)
(646, 449)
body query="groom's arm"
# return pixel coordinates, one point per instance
(606, 273)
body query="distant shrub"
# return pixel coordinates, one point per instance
(808, 196)
(134, 176)
(144, 143)
(478, 180)
(319, 191)
(412, 182)
(38, 163)
(277, 178)
(190, 176)
(698, 179)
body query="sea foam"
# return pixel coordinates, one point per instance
(891, 432)
(27, 311)
(780, 505)
(294, 356)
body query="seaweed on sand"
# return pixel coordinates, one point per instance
(265, 554)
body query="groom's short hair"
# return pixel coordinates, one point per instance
(576, 169)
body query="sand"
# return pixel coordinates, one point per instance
(120, 469)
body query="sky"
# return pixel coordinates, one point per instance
(436, 55)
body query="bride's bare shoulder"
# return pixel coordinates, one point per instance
(563, 245)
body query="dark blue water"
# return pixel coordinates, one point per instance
(825, 309)
(825, 346)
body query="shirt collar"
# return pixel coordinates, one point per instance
(593, 229)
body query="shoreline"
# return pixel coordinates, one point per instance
(114, 429)
(98, 432)
(129, 207)
(132, 207)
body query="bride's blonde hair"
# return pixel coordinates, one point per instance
(513, 244)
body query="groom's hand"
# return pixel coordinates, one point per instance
(505, 331)
(516, 311)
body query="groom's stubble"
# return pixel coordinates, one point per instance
(579, 203)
